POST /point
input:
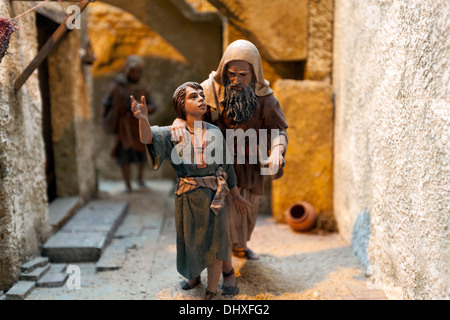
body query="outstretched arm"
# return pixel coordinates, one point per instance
(140, 112)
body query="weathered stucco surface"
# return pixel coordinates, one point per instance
(24, 218)
(271, 25)
(320, 39)
(71, 112)
(391, 79)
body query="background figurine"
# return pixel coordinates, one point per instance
(118, 119)
(201, 189)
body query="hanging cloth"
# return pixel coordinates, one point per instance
(7, 27)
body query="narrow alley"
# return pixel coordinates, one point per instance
(342, 105)
(293, 266)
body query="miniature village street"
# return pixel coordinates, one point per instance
(337, 108)
(142, 264)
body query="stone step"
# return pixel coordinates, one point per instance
(75, 247)
(84, 237)
(113, 257)
(35, 275)
(33, 264)
(20, 290)
(62, 209)
(54, 278)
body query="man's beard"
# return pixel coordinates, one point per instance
(240, 104)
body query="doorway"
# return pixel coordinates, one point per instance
(45, 29)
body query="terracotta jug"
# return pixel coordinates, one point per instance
(301, 216)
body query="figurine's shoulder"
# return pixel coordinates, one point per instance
(210, 126)
(207, 84)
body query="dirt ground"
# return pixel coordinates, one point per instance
(293, 266)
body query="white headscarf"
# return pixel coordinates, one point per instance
(238, 50)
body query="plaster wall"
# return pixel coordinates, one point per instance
(24, 221)
(391, 74)
(284, 22)
(319, 40)
(72, 127)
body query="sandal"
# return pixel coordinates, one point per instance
(185, 284)
(229, 290)
(209, 295)
(246, 253)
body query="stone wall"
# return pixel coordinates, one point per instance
(72, 125)
(307, 106)
(320, 40)
(24, 208)
(24, 221)
(278, 28)
(391, 184)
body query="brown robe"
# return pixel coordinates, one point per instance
(268, 115)
(122, 121)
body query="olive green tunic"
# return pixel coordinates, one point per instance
(201, 235)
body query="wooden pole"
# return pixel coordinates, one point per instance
(42, 54)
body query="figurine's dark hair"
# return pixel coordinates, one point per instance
(179, 97)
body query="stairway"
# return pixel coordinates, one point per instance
(83, 238)
(37, 273)
(86, 235)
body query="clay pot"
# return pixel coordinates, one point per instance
(301, 216)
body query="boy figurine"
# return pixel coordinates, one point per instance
(201, 189)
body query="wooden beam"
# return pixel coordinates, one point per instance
(57, 36)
